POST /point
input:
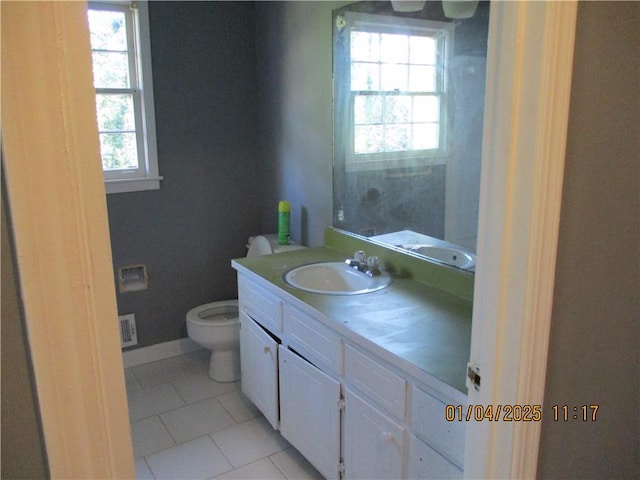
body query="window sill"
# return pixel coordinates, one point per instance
(132, 185)
(395, 163)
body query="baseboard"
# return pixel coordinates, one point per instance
(159, 351)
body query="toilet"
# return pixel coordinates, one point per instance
(216, 326)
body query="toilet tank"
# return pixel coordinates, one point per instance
(267, 244)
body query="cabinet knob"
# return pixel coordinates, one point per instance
(267, 349)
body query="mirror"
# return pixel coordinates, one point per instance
(408, 113)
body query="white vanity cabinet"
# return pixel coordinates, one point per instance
(259, 365)
(424, 462)
(353, 414)
(310, 392)
(374, 444)
(374, 401)
(310, 412)
(429, 423)
(260, 331)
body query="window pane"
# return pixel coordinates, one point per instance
(394, 78)
(394, 48)
(110, 70)
(422, 79)
(368, 139)
(426, 136)
(365, 46)
(422, 50)
(108, 30)
(397, 138)
(118, 151)
(398, 109)
(426, 109)
(115, 112)
(365, 76)
(368, 109)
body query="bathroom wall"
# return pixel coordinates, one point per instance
(23, 450)
(294, 45)
(204, 68)
(593, 354)
(593, 348)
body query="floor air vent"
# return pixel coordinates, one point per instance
(128, 333)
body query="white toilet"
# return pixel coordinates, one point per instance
(216, 325)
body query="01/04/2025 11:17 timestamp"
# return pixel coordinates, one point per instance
(519, 413)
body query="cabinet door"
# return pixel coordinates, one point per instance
(310, 412)
(373, 443)
(428, 422)
(425, 463)
(259, 365)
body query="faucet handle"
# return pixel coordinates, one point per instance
(373, 263)
(373, 266)
(360, 256)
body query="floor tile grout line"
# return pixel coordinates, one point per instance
(233, 467)
(149, 466)
(179, 394)
(268, 456)
(276, 465)
(164, 411)
(175, 441)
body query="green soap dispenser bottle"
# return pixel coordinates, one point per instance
(284, 217)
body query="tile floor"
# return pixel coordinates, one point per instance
(186, 426)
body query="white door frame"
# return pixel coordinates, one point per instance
(529, 69)
(57, 200)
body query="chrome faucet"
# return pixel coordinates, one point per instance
(370, 266)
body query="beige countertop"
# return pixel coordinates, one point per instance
(418, 327)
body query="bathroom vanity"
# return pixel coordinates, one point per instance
(359, 384)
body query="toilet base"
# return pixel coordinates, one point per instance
(224, 366)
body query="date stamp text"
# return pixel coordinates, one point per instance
(518, 413)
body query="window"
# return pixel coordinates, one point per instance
(124, 95)
(396, 96)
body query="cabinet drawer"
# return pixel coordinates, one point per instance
(260, 304)
(425, 463)
(378, 383)
(428, 423)
(312, 340)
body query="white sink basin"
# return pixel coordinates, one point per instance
(335, 278)
(449, 255)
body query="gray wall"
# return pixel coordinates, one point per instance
(296, 134)
(243, 117)
(204, 67)
(593, 351)
(23, 450)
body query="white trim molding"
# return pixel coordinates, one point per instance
(159, 351)
(526, 112)
(55, 187)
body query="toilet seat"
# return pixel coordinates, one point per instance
(216, 313)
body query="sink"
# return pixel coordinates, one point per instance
(335, 278)
(449, 255)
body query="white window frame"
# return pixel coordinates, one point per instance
(147, 176)
(443, 31)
